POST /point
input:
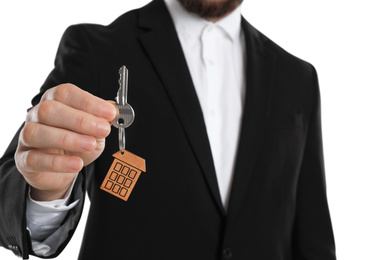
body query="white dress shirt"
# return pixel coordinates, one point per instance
(215, 54)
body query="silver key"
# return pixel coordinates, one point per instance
(126, 113)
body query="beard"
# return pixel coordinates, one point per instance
(210, 9)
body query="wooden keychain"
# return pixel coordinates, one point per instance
(126, 167)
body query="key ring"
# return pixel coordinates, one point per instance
(122, 141)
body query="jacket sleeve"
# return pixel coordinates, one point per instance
(13, 191)
(313, 236)
(73, 64)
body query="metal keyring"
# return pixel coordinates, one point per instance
(122, 141)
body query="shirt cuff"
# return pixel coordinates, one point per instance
(45, 217)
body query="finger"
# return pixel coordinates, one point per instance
(77, 98)
(113, 103)
(37, 161)
(42, 136)
(56, 114)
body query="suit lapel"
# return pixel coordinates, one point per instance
(260, 72)
(163, 47)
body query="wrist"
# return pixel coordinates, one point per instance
(48, 195)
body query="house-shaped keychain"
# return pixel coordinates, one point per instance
(123, 174)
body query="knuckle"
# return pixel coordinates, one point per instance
(30, 160)
(63, 140)
(29, 133)
(32, 115)
(20, 160)
(63, 91)
(53, 164)
(87, 103)
(56, 164)
(81, 122)
(45, 111)
(48, 95)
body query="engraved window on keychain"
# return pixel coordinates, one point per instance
(126, 167)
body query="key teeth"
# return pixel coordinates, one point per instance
(121, 72)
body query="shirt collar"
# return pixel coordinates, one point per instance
(191, 23)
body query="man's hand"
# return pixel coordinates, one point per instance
(63, 133)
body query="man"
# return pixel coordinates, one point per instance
(229, 125)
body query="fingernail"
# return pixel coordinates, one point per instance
(75, 165)
(88, 144)
(103, 128)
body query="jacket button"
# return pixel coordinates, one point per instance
(227, 253)
(16, 250)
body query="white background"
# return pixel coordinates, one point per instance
(347, 41)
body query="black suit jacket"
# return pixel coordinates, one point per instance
(278, 207)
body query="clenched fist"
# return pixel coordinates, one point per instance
(63, 133)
